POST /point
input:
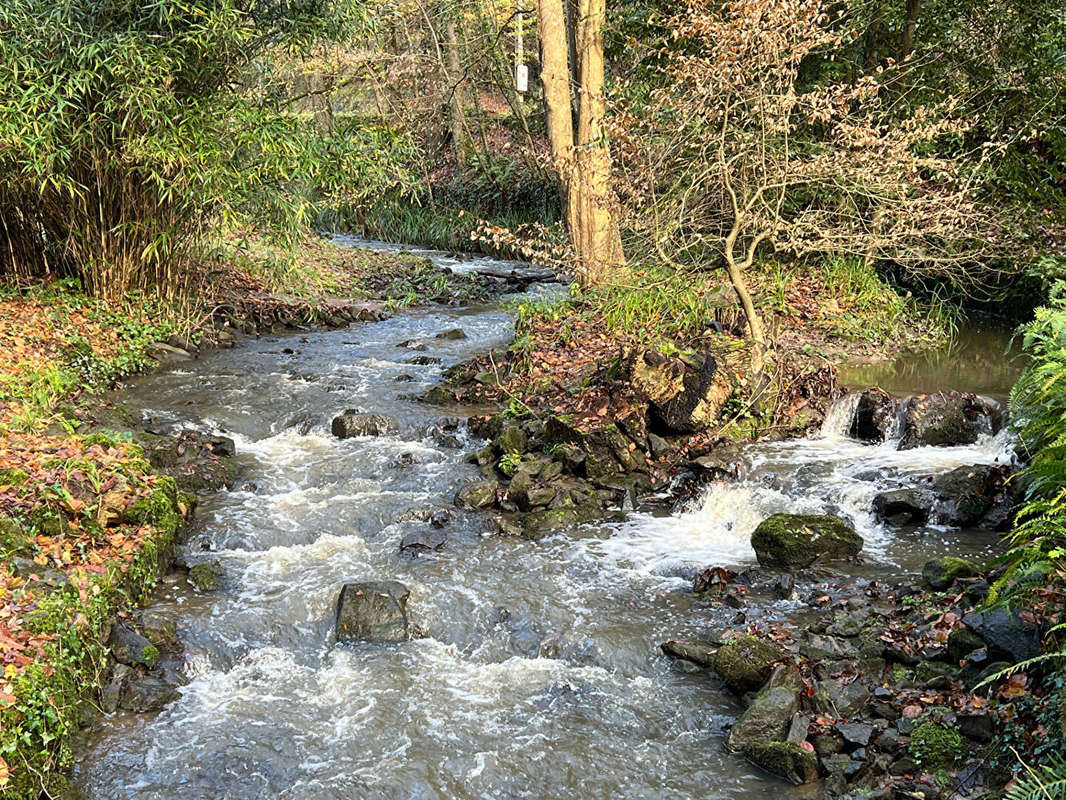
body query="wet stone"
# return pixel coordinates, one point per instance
(147, 693)
(374, 611)
(129, 647)
(701, 653)
(422, 541)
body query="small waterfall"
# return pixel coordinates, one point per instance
(838, 420)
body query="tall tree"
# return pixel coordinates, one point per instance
(581, 157)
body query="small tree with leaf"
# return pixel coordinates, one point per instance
(735, 155)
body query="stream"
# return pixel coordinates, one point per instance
(538, 671)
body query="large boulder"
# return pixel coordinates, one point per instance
(375, 611)
(685, 395)
(357, 423)
(767, 719)
(744, 662)
(947, 419)
(875, 416)
(965, 495)
(795, 541)
(1006, 633)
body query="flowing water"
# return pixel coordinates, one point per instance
(538, 671)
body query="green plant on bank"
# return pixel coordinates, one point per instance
(1037, 551)
(510, 462)
(1043, 782)
(39, 387)
(1036, 555)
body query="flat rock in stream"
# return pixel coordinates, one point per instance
(373, 611)
(697, 652)
(353, 423)
(422, 541)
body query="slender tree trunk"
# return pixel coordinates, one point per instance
(913, 8)
(555, 78)
(454, 81)
(601, 250)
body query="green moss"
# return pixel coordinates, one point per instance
(160, 508)
(936, 746)
(940, 573)
(15, 539)
(743, 662)
(34, 729)
(13, 476)
(205, 577)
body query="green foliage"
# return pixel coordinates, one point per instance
(508, 192)
(50, 693)
(1041, 782)
(1038, 400)
(936, 746)
(127, 129)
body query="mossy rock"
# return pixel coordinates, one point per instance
(940, 573)
(477, 495)
(936, 746)
(743, 662)
(795, 541)
(512, 440)
(538, 524)
(961, 642)
(790, 761)
(13, 476)
(159, 509)
(15, 539)
(46, 520)
(206, 577)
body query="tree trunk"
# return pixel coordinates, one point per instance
(906, 47)
(555, 78)
(600, 251)
(454, 81)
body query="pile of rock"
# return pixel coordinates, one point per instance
(875, 696)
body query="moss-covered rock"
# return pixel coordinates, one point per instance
(936, 746)
(537, 524)
(477, 495)
(961, 642)
(795, 541)
(15, 538)
(512, 440)
(940, 573)
(206, 576)
(743, 662)
(159, 508)
(13, 476)
(790, 761)
(766, 720)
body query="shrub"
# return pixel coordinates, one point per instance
(127, 129)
